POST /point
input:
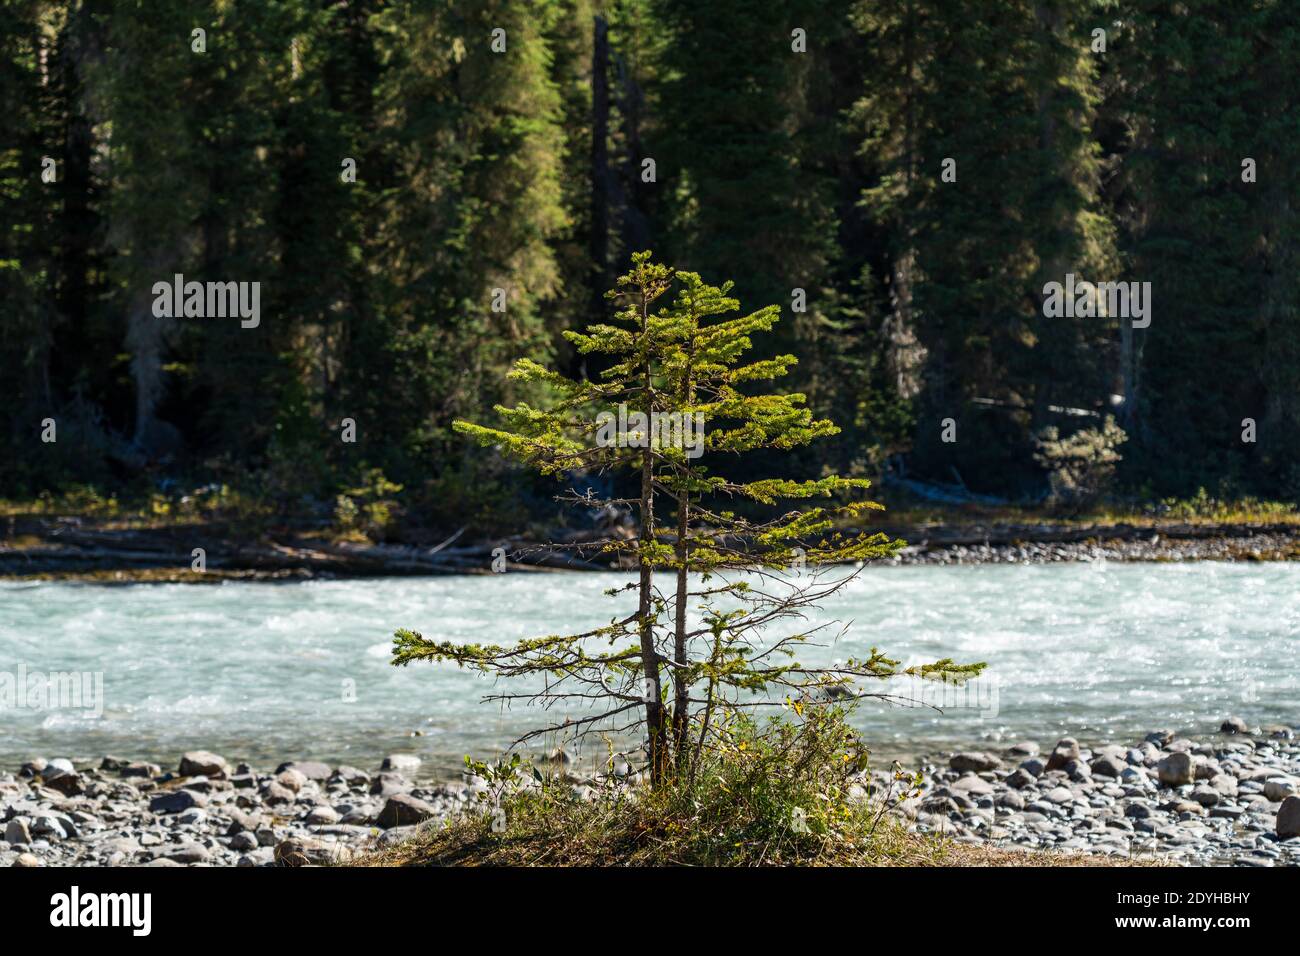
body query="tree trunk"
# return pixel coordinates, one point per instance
(654, 710)
(599, 167)
(681, 688)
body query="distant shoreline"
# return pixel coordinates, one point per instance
(76, 550)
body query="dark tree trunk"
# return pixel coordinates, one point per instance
(599, 167)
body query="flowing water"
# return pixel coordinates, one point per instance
(269, 671)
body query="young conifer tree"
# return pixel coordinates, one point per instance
(673, 371)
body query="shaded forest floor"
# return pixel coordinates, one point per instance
(156, 541)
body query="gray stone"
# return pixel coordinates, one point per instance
(1225, 783)
(1033, 766)
(291, 780)
(1204, 769)
(402, 763)
(973, 761)
(58, 777)
(176, 801)
(402, 809)
(303, 851)
(18, 830)
(276, 794)
(1288, 818)
(1011, 800)
(1109, 766)
(1077, 770)
(311, 769)
(387, 784)
(323, 816)
(1206, 796)
(1175, 770)
(351, 776)
(1279, 788)
(1020, 778)
(201, 763)
(241, 822)
(972, 785)
(187, 853)
(1134, 776)
(1234, 725)
(53, 826)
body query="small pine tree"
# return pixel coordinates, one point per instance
(681, 676)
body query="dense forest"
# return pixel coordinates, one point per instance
(426, 191)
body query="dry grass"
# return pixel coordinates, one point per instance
(470, 843)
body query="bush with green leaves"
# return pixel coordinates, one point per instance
(781, 791)
(370, 509)
(1081, 465)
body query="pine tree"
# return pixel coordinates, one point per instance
(755, 203)
(1002, 100)
(1206, 89)
(155, 189)
(674, 368)
(466, 239)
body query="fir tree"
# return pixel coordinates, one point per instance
(670, 365)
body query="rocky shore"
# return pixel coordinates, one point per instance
(207, 812)
(1229, 545)
(1231, 798)
(1227, 799)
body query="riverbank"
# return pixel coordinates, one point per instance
(1227, 798)
(62, 548)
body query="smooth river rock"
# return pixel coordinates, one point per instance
(402, 809)
(1288, 818)
(202, 763)
(1175, 770)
